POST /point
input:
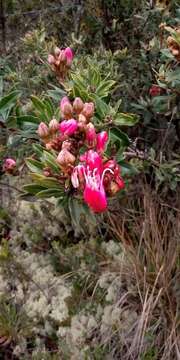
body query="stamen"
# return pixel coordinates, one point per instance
(104, 171)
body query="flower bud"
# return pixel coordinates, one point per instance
(88, 110)
(9, 165)
(57, 51)
(49, 145)
(90, 135)
(67, 111)
(51, 59)
(63, 101)
(53, 126)
(65, 158)
(62, 57)
(43, 130)
(69, 55)
(102, 139)
(66, 145)
(77, 176)
(78, 105)
(68, 127)
(82, 122)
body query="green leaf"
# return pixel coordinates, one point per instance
(35, 166)
(48, 182)
(7, 103)
(102, 109)
(123, 119)
(33, 188)
(27, 118)
(38, 149)
(50, 161)
(40, 107)
(49, 108)
(57, 193)
(104, 88)
(118, 135)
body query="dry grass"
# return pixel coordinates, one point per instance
(149, 232)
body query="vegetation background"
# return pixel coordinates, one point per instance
(74, 286)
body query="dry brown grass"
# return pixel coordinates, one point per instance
(149, 231)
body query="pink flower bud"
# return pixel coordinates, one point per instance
(77, 176)
(66, 145)
(57, 51)
(65, 158)
(88, 110)
(82, 122)
(78, 105)
(53, 126)
(49, 145)
(90, 135)
(67, 111)
(51, 59)
(69, 55)
(66, 107)
(102, 139)
(68, 127)
(62, 57)
(43, 130)
(9, 165)
(63, 101)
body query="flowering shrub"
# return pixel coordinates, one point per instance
(83, 167)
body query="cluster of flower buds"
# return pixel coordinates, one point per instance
(61, 61)
(9, 166)
(80, 154)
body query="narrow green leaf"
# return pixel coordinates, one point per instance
(8, 101)
(33, 188)
(57, 193)
(35, 166)
(50, 161)
(123, 119)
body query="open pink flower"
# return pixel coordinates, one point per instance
(102, 139)
(68, 127)
(93, 160)
(94, 193)
(69, 55)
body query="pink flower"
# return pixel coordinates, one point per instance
(68, 127)
(69, 55)
(9, 165)
(90, 135)
(102, 139)
(94, 193)
(93, 160)
(77, 176)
